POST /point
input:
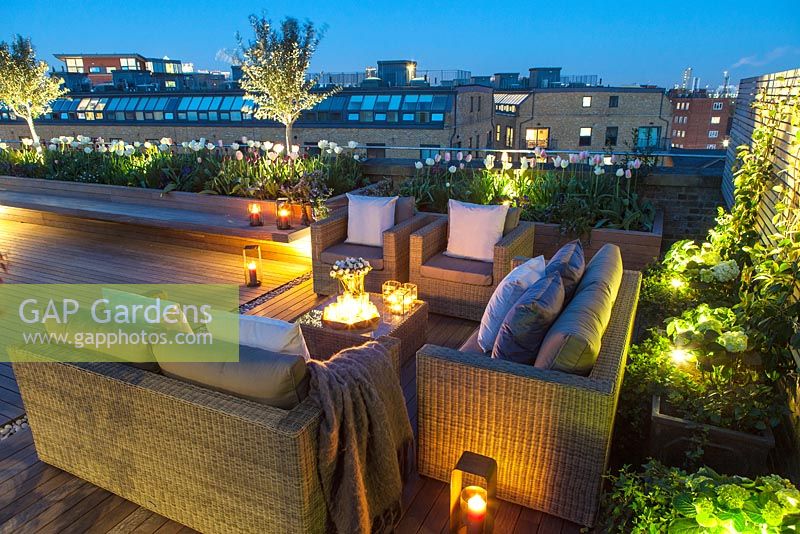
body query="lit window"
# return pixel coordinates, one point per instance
(536, 137)
(74, 64)
(711, 146)
(128, 63)
(497, 133)
(587, 101)
(716, 106)
(585, 138)
(713, 133)
(714, 120)
(170, 84)
(509, 136)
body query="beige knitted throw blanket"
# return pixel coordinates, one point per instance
(365, 439)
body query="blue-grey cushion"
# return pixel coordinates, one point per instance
(573, 342)
(569, 262)
(527, 322)
(279, 380)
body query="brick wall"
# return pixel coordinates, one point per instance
(689, 203)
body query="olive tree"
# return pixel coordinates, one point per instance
(26, 88)
(275, 68)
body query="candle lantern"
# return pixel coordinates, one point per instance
(387, 290)
(411, 293)
(473, 508)
(251, 260)
(255, 215)
(283, 214)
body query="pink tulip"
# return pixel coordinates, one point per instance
(543, 154)
(460, 165)
(459, 155)
(239, 156)
(637, 163)
(573, 158)
(628, 173)
(447, 157)
(437, 158)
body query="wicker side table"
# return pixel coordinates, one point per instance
(410, 329)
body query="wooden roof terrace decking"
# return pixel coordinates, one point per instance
(36, 497)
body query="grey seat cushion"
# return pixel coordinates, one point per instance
(461, 270)
(569, 262)
(136, 354)
(404, 209)
(341, 251)
(270, 378)
(527, 322)
(573, 342)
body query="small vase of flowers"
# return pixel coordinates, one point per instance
(351, 272)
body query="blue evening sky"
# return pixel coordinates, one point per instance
(623, 42)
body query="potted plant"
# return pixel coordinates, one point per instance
(662, 499)
(724, 405)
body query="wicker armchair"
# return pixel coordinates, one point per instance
(391, 263)
(550, 432)
(462, 298)
(211, 461)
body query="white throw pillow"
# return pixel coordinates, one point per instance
(474, 230)
(368, 218)
(508, 292)
(260, 332)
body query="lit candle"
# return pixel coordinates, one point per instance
(283, 214)
(255, 215)
(473, 508)
(252, 274)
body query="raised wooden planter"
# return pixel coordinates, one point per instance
(638, 248)
(217, 222)
(727, 451)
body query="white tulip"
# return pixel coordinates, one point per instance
(564, 163)
(620, 173)
(163, 147)
(73, 144)
(429, 162)
(147, 145)
(452, 169)
(235, 146)
(337, 150)
(102, 149)
(3, 146)
(295, 149)
(250, 143)
(322, 144)
(278, 148)
(210, 146)
(166, 141)
(355, 157)
(88, 150)
(352, 145)
(418, 165)
(136, 144)
(266, 145)
(51, 147)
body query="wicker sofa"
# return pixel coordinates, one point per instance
(213, 462)
(550, 432)
(463, 298)
(391, 263)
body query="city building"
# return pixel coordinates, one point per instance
(424, 117)
(582, 118)
(700, 120)
(388, 105)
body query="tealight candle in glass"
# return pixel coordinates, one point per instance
(387, 290)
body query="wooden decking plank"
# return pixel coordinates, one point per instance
(118, 510)
(418, 510)
(129, 524)
(19, 462)
(18, 441)
(151, 524)
(507, 516)
(65, 520)
(24, 481)
(29, 507)
(550, 524)
(528, 522)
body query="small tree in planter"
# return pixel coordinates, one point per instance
(25, 86)
(274, 67)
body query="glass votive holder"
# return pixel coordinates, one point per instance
(411, 292)
(388, 288)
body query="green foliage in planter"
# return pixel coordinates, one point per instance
(252, 169)
(577, 197)
(661, 499)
